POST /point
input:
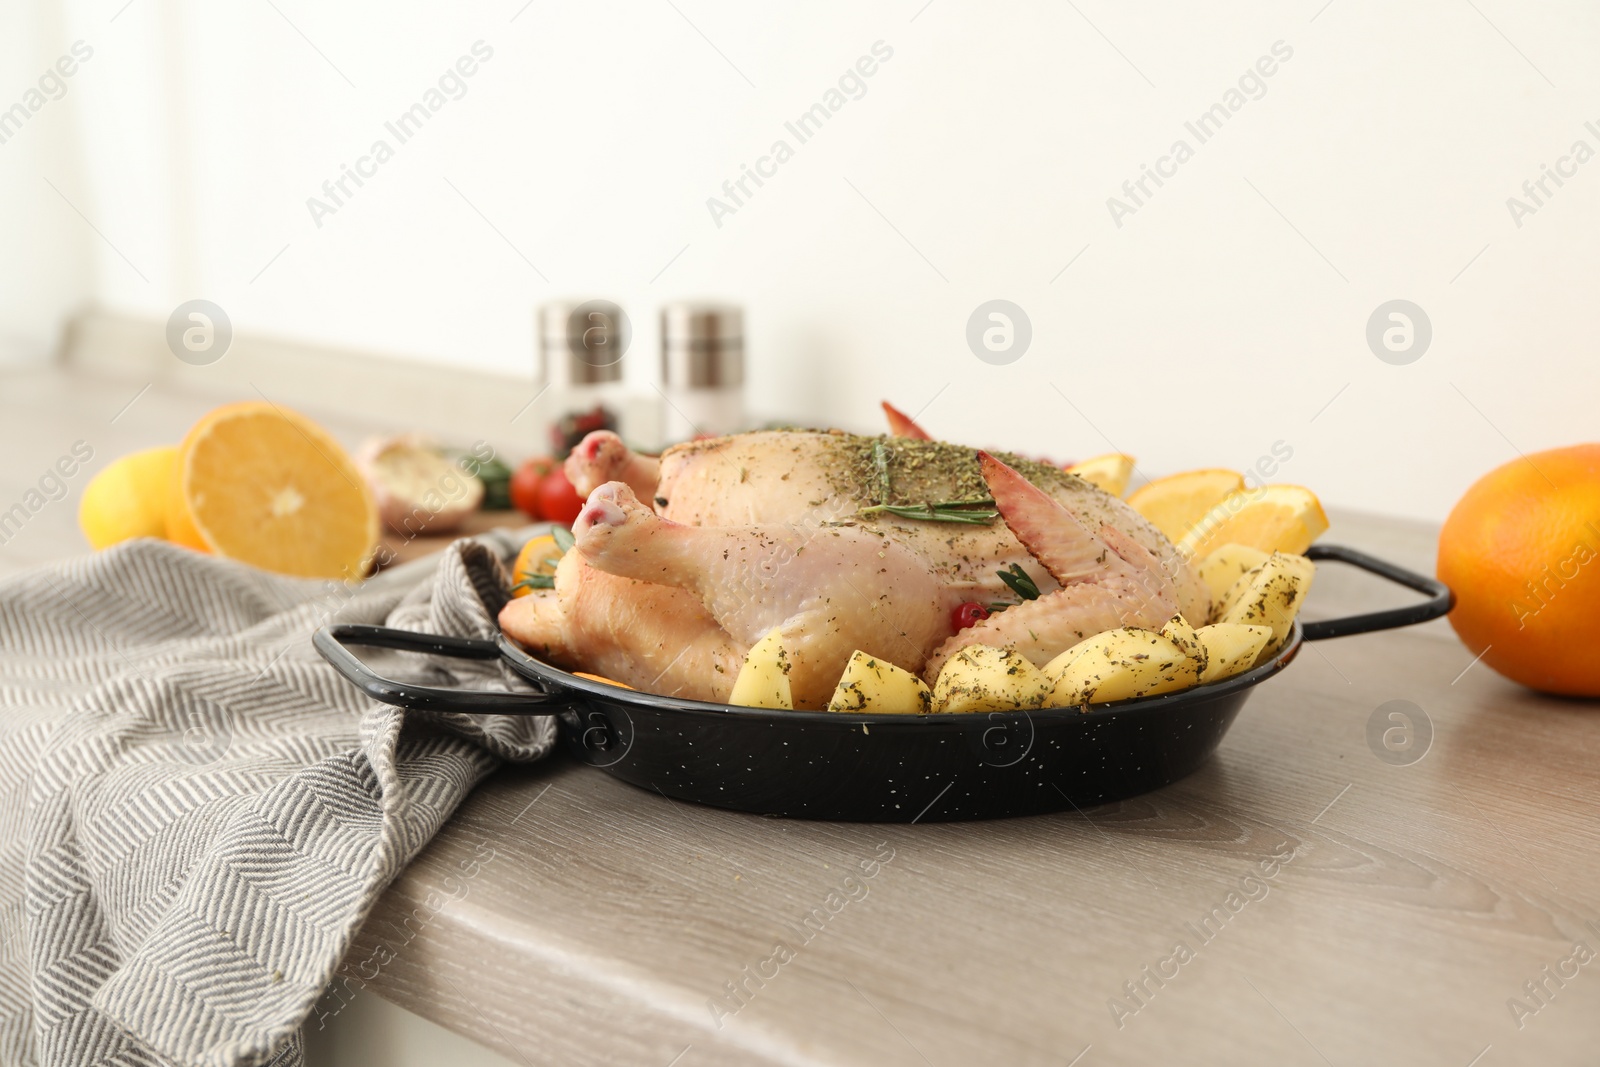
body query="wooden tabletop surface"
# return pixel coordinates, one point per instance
(566, 918)
(1332, 906)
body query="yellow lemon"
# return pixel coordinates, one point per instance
(129, 498)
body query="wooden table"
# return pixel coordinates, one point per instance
(599, 920)
(604, 922)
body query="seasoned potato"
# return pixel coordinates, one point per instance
(1227, 565)
(1118, 665)
(877, 686)
(1286, 562)
(1231, 647)
(982, 678)
(763, 681)
(1270, 595)
(1179, 632)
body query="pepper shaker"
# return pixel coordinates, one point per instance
(581, 345)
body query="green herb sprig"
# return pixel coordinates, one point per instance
(496, 479)
(976, 512)
(880, 463)
(1019, 582)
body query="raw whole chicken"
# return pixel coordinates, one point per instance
(682, 563)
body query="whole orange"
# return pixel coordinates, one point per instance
(1522, 551)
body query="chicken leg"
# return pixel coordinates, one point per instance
(829, 589)
(602, 457)
(656, 638)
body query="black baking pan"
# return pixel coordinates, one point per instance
(871, 768)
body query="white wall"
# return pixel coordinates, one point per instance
(45, 259)
(1200, 332)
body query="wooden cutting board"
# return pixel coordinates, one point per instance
(403, 549)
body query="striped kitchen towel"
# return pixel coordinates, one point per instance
(196, 812)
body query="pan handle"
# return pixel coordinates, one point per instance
(1440, 599)
(332, 642)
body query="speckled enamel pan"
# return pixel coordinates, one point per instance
(870, 768)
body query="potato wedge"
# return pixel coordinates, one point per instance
(1299, 565)
(1270, 595)
(763, 681)
(1119, 665)
(984, 678)
(1179, 632)
(1231, 647)
(1227, 565)
(878, 687)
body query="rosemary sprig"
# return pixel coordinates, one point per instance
(1022, 585)
(880, 463)
(933, 511)
(941, 511)
(564, 538)
(536, 581)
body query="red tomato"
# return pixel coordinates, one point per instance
(558, 501)
(525, 482)
(969, 614)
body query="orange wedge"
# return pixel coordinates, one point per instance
(600, 678)
(267, 486)
(1175, 503)
(1272, 518)
(1109, 472)
(537, 560)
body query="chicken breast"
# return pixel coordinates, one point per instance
(810, 478)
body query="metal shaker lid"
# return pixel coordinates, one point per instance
(702, 345)
(581, 342)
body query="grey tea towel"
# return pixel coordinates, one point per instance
(196, 812)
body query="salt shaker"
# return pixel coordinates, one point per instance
(702, 370)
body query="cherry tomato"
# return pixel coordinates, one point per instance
(558, 501)
(525, 481)
(969, 614)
